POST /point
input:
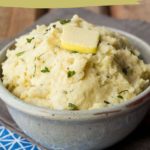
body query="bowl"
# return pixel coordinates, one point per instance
(79, 130)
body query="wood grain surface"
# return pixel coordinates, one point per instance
(140, 12)
(140, 138)
(99, 10)
(14, 20)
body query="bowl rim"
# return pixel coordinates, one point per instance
(14, 102)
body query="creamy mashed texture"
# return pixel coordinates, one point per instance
(40, 72)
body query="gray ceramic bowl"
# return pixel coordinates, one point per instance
(79, 130)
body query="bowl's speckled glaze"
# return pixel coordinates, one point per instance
(79, 130)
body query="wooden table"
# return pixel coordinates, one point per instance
(15, 20)
(140, 138)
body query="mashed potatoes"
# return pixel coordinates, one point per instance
(40, 72)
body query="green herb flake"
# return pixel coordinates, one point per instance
(48, 29)
(70, 73)
(108, 76)
(64, 21)
(74, 52)
(34, 46)
(125, 70)
(29, 40)
(65, 92)
(45, 70)
(34, 71)
(20, 53)
(38, 58)
(123, 91)
(119, 96)
(132, 52)
(54, 25)
(72, 106)
(106, 102)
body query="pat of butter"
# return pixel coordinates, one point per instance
(79, 39)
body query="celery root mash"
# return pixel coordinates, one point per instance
(74, 65)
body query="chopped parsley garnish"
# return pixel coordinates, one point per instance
(65, 92)
(48, 29)
(38, 57)
(119, 96)
(20, 53)
(123, 91)
(34, 70)
(97, 73)
(45, 70)
(108, 76)
(70, 73)
(74, 52)
(106, 102)
(54, 25)
(132, 52)
(64, 21)
(34, 46)
(72, 106)
(30, 40)
(125, 70)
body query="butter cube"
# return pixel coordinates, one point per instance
(79, 39)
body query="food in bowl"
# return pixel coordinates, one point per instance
(74, 65)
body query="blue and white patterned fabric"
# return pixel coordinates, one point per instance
(13, 141)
